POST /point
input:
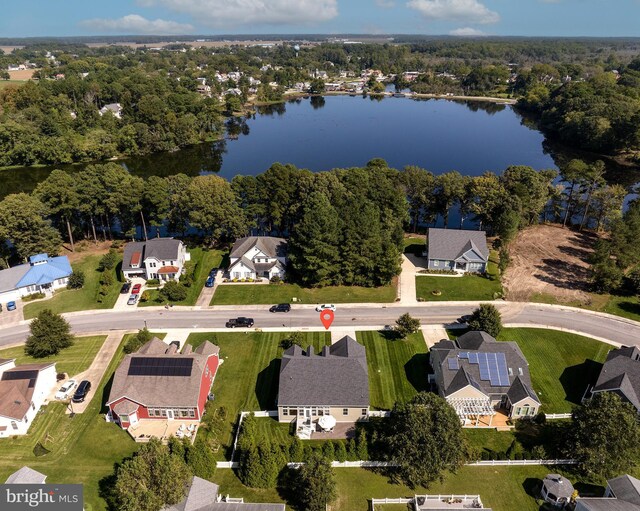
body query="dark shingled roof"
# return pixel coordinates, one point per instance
(626, 488)
(163, 249)
(268, 245)
(452, 244)
(621, 374)
(336, 377)
(453, 380)
(599, 504)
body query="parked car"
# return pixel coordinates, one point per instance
(82, 391)
(213, 273)
(65, 390)
(464, 319)
(325, 307)
(0, 307)
(132, 300)
(11, 306)
(210, 281)
(239, 323)
(136, 289)
(281, 307)
(125, 288)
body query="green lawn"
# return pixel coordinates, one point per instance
(248, 377)
(203, 260)
(83, 449)
(466, 288)
(230, 294)
(561, 364)
(72, 360)
(397, 368)
(414, 245)
(623, 306)
(68, 300)
(500, 488)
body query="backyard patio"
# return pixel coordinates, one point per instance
(145, 429)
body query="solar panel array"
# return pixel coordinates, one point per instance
(160, 366)
(492, 366)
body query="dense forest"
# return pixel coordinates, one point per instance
(345, 226)
(584, 92)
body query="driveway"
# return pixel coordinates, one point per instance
(407, 281)
(121, 302)
(10, 318)
(96, 370)
(206, 295)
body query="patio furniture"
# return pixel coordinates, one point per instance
(327, 422)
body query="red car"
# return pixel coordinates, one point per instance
(136, 289)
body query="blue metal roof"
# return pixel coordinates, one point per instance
(38, 258)
(55, 268)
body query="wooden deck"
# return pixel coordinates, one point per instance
(146, 429)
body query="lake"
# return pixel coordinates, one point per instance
(322, 133)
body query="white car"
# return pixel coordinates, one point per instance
(326, 307)
(66, 389)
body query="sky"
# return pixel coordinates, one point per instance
(434, 17)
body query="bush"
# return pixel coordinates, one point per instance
(50, 333)
(275, 279)
(173, 292)
(504, 261)
(406, 325)
(145, 296)
(108, 261)
(107, 279)
(153, 283)
(538, 453)
(486, 318)
(76, 280)
(137, 341)
(34, 296)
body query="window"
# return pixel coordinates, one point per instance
(14, 425)
(364, 412)
(300, 412)
(345, 411)
(436, 263)
(163, 412)
(184, 413)
(124, 417)
(285, 411)
(518, 410)
(192, 413)
(157, 412)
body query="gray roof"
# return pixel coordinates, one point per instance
(26, 475)
(166, 249)
(626, 488)
(160, 390)
(203, 496)
(621, 374)
(268, 245)
(558, 485)
(10, 277)
(336, 377)
(600, 504)
(452, 244)
(453, 380)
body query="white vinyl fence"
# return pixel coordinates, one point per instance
(493, 463)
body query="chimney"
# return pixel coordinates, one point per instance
(187, 349)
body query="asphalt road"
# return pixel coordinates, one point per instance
(600, 326)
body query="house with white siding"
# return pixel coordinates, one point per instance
(42, 274)
(256, 257)
(158, 258)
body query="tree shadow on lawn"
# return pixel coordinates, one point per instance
(630, 307)
(267, 385)
(575, 379)
(416, 370)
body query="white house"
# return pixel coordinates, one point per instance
(42, 274)
(114, 108)
(23, 390)
(255, 257)
(158, 258)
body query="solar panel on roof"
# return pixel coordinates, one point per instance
(503, 371)
(473, 358)
(493, 368)
(453, 363)
(464, 354)
(483, 366)
(160, 366)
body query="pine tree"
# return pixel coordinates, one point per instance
(340, 450)
(328, 450)
(362, 449)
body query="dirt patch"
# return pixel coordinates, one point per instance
(85, 248)
(549, 260)
(22, 74)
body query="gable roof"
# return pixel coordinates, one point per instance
(600, 504)
(452, 244)
(621, 373)
(155, 376)
(26, 475)
(16, 389)
(336, 377)
(163, 249)
(461, 372)
(29, 274)
(268, 245)
(626, 488)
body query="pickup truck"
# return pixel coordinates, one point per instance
(239, 323)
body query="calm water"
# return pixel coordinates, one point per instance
(343, 131)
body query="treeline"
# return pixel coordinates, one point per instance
(345, 226)
(600, 114)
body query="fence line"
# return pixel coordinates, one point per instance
(492, 463)
(258, 413)
(557, 415)
(376, 502)
(380, 413)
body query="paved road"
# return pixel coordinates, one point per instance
(600, 326)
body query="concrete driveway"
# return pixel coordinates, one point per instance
(10, 318)
(206, 295)
(121, 302)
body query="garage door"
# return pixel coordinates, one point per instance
(9, 296)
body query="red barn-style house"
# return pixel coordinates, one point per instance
(159, 386)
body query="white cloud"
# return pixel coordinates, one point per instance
(222, 13)
(455, 10)
(136, 24)
(385, 4)
(467, 32)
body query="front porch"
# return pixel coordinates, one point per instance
(146, 429)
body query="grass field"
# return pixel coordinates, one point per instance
(204, 261)
(561, 364)
(83, 448)
(623, 306)
(72, 360)
(468, 287)
(285, 293)
(397, 368)
(68, 300)
(248, 377)
(500, 488)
